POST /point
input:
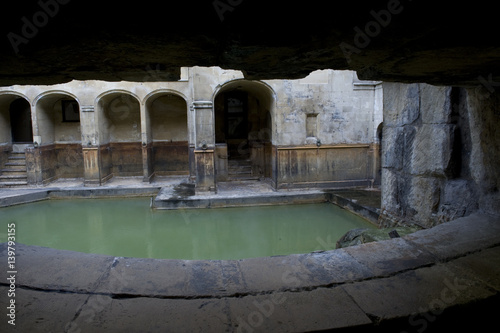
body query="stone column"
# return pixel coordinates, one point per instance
(33, 154)
(147, 145)
(91, 170)
(90, 150)
(204, 151)
(374, 163)
(33, 165)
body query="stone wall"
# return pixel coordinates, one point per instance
(331, 106)
(300, 133)
(440, 154)
(325, 166)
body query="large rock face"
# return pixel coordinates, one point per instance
(440, 153)
(55, 41)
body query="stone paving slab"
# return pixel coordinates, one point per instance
(294, 272)
(305, 311)
(484, 265)
(416, 292)
(15, 197)
(464, 235)
(158, 278)
(51, 269)
(105, 314)
(333, 267)
(40, 311)
(389, 257)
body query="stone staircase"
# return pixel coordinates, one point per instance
(13, 172)
(240, 169)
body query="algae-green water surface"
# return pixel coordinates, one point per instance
(130, 228)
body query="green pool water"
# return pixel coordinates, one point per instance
(130, 228)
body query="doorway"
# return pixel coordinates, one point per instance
(236, 124)
(20, 121)
(243, 130)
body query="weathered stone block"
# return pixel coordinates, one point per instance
(401, 103)
(423, 200)
(397, 146)
(392, 145)
(435, 104)
(432, 150)
(459, 199)
(205, 170)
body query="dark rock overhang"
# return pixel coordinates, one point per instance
(55, 41)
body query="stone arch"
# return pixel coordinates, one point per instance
(378, 134)
(57, 117)
(167, 131)
(118, 117)
(156, 92)
(55, 92)
(58, 135)
(18, 128)
(244, 126)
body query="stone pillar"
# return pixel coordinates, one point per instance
(91, 169)
(33, 165)
(205, 170)
(204, 151)
(33, 154)
(374, 163)
(147, 145)
(90, 150)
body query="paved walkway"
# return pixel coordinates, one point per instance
(424, 282)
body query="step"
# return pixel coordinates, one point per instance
(13, 176)
(13, 173)
(242, 177)
(14, 170)
(240, 173)
(240, 168)
(239, 162)
(15, 158)
(18, 169)
(12, 183)
(17, 163)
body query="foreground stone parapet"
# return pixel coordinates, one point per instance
(394, 285)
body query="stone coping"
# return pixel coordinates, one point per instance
(406, 282)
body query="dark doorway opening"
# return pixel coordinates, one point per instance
(236, 124)
(20, 121)
(243, 131)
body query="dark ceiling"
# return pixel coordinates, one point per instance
(54, 41)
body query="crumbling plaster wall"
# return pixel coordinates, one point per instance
(344, 108)
(439, 153)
